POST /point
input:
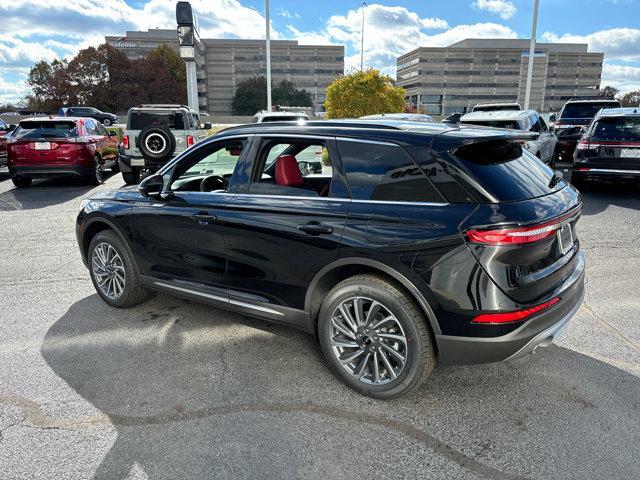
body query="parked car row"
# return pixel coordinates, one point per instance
(107, 119)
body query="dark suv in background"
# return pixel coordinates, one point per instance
(610, 148)
(417, 242)
(104, 118)
(574, 118)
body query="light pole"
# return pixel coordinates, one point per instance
(187, 38)
(364, 4)
(268, 37)
(532, 51)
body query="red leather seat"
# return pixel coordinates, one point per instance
(287, 171)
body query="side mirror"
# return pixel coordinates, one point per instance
(306, 168)
(552, 117)
(113, 134)
(151, 186)
(207, 126)
(12, 127)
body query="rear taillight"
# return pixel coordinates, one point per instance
(125, 142)
(518, 235)
(585, 145)
(189, 140)
(515, 316)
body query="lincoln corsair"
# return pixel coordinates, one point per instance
(418, 243)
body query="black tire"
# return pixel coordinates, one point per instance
(115, 168)
(107, 122)
(21, 182)
(420, 354)
(580, 183)
(96, 177)
(156, 143)
(132, 177)
(133, 293)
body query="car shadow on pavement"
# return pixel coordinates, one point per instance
(43, 193)
(597, 196)
(195, 392)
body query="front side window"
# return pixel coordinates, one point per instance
(385, 173)
(209, 168)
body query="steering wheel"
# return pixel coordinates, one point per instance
(213, 182)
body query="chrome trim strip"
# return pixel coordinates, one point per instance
(219, 299)
(363, 140)
(609, 170)
(329, 199)
(546, 337)
(285, 135)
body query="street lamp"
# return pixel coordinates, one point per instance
(532, 51)
(187, 38)
(364, 4)
(268, 52)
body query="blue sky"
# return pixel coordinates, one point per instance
(33, 30)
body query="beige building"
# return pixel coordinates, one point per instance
(446, 80)
(222, 63)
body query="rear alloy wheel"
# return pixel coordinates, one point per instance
(113, 272)
(96, 177)
(21, 182)
(375, 338)
(106, 122)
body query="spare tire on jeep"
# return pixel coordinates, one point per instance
(156, 142)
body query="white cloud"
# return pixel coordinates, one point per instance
(390, 32)
(624, 77)
(616, 43)
(12, 91)
(505, 8)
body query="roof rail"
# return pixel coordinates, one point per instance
(319, 123)
(163, 105)
(591, 98)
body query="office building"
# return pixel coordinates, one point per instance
(446, 80)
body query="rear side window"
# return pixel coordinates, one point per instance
(46, 129)
(283, 118)
(507, 172)
(617, 129)
(384, 172)
(173, 120)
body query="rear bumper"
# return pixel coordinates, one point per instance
(605, 173)
(539, 331)
(127, 163)
(38, 171)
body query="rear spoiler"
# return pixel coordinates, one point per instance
(469, 135)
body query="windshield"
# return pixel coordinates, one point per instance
(579, 110)
(510, 124)
(173, 120)
(46, 129)
(617, 129)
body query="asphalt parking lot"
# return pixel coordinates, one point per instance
(173, 389)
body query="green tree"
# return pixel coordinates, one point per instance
(51, 86)
(363, 93)
(608, 91)
(631, 99)
(251, 96)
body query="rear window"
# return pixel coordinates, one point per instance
(494, 108)
(580, 110)
(623, 129)
(46, 129)
(173, 120)
(510, 124)
(506, 171)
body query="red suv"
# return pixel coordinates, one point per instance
(60, 146)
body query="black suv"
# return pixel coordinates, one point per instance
(418, 242)
(90, 112)
(575, 117)
(610, 148)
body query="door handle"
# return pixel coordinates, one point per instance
(203, 218)
(315, 228)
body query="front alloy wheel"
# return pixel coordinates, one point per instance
(108, 270)
(374, 337)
